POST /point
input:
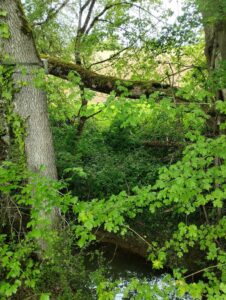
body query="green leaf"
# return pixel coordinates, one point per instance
(223, 287)
(3, 13)
(44, 297)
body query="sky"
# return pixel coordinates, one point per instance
(174, 5)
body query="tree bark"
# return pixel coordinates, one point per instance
(214, 22)
(107, 84)
(215, 36)
(29, 102)
(129, 243)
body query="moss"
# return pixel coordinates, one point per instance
(26, 27)
(106, 84)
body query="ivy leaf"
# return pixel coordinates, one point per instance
(223, 287)
(44, 297)
(3, 13)
(157, 264)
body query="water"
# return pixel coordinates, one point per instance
(124, 266)
(155, 281)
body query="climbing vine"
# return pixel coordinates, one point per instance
(4, 29)
(15, 124)
(14, 132)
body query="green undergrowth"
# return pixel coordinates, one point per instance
(61, 271)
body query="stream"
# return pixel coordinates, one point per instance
(124, 266)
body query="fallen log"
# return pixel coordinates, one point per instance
(164, 144)
(130, 243)
(106, 84)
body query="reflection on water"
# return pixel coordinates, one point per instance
(124, 266)
(154, 281)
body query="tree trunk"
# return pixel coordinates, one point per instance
(215, 35)
(29, 102)
(214, 21)
(215, 47)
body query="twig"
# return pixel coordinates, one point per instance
(52, 14)
(110, 57)
(116, 247)
(138, 235)
(202, 270)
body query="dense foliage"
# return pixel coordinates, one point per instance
(151, 170)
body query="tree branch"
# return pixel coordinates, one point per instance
(83, 29)
(52, 14)
(106, 8)
(83, 7)
(164, 144)
(113, 56)
(107, 84)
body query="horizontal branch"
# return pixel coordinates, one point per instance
(164, 144)
(107, 84)
(130, 243)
